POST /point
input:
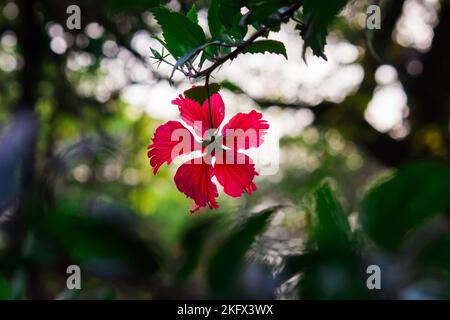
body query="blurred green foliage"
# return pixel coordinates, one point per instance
(76, 186)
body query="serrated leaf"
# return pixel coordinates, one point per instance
(200, 93)
(178, 28)
(192, 14)
(266, 46)
(317, 16)
(409, 198)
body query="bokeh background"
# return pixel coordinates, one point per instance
(78, 109)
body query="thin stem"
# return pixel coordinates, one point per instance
(209, 101)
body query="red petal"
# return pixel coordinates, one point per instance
(245, 130)
(218, 109)
(198, 116)
(193, 178)
(235, 172)
(170, 140)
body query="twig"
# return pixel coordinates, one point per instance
(206, 72)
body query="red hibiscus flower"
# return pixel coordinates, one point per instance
(218, 150)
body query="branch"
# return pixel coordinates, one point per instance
(206, 72)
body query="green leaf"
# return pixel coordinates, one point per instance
(237, 31)
(332, 231)
(295, 264)
(266, 12)
(408, 199)
(5, 291)
(435, 254)
(120, 6)
(200, 93)
(178, 28)
(174, 48)
(317, 17)
(227, 10)
(231, 86)
(215, 27)
(192, 14)
(228, 260)
(192, 244)
(263, 46)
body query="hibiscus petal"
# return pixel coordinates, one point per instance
(245, 130)
(218, 109)
(198, 116)
(169, 141)
(235, 172)
(193, 178)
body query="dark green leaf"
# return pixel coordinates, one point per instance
(231, 86)
(174, 48)
(263, 46)
(332, 231)
(265, 12)
(178, 28)
(412, 196)
(317, 17)
(238, 31)
(215, 27)
(193, 243)
(227, 10)
(200, 93)
(295, 264)
(229, 258)
(192, 14)
(436, 253)
(5, 291)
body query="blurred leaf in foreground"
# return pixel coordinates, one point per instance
(193, 243)
(103, 248)
(228, 261)
(332, 231)
(409, 198)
